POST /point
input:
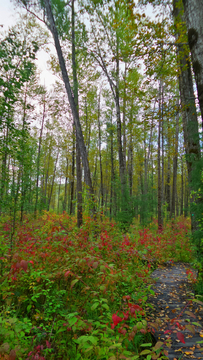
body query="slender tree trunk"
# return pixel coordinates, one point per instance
(182, 188)
(168, 180)
(59, 191)
(52, 183)
(194, 17)
(100, 159)
(75, 90)
(119, 134)
(22, 165)
(130, 155)
(66, 185)
(162, 148)
(72, 173)
(124, 119)
(175, 165)
(73, 105)
(3, 170)
(47, 175)
(112, 194)
(160, 220)
(38, 157)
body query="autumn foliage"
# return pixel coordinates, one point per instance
(81, 293)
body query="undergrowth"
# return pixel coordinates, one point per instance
(69, 293)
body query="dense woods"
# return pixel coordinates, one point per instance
(119, 133)
(127, 130)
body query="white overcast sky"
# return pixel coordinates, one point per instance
(8, 17)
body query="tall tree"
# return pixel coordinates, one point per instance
(194, 15)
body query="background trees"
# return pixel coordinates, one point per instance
(135, 117)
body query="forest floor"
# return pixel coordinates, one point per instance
(90, 293)
(177, 315)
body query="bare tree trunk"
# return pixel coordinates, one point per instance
(112, 194)
(38, 157)
(189, 114)
(182, 188)
(59, 191)
(72, 182)
(160, 220)
(52, 183)
(124, 119)
(130, 156)
(175, 165)
(47, 175)
(73, 105)
(194, 17)
(100, 159)
(66, 185)
(168, 180)
(75, 89)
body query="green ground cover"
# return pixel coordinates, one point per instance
(69, 293)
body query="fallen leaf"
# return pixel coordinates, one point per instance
(180, 337)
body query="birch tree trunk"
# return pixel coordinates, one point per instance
(175, 166)
(75, 89)
(189, 113)
(160, 219)
(73, 106)
(194, 18)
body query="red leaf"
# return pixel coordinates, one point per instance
(116, 319)
(180, 337)
(167, 331)
(67, 273)
(23, 264)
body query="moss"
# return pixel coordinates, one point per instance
(192, 37)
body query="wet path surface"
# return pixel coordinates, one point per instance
(174, 314)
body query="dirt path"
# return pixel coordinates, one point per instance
(175, 315)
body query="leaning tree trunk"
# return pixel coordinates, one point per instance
(73, 106)
(194, 17)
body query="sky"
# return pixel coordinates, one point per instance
(8, 17)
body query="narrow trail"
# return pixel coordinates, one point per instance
(175, 315)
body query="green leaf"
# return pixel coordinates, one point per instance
(105, 306)
(197, 324)
(95, 305)
(72, 321)
(28, 308)
(145, 345)
(145, 352)
(73, 282)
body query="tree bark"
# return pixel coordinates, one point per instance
(38, 157)
(175, 165)
(66, 185)
(160, 220)
(75, 90)
(189, 114)
(194, 17)
(72, 103)
(100, 159)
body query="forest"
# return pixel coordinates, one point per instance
(101, 173)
